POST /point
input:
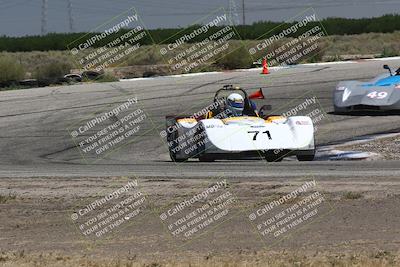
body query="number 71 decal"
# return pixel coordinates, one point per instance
(377, 95)
(257, 132)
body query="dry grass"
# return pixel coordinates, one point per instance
(380, 258)
(385, 44)
(10, 69)
(31, 60)
(352, 195)
(52, 69)
(7, 198)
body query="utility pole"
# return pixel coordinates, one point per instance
(44, 17)
(229, 9)
(233, 15)
(71, 18)
(244, 17)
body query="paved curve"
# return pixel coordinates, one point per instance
(34, 123)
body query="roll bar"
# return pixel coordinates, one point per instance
(229, 87)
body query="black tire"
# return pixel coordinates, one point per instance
(206, 158)
(339, 111)
(271, 156)
(172, 155)
(305, 157)
(177, 160)
(171, 137)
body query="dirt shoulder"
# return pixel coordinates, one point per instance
(346, 221)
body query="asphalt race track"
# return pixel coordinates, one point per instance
(35, 124)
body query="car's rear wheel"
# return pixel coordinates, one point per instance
(306, 157)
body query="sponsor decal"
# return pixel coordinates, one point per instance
(302, 123)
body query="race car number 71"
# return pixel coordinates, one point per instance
(257, 132)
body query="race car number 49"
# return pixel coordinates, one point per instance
(377, 95)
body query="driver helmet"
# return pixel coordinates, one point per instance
(235, 103)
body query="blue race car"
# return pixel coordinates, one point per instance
(382, 93)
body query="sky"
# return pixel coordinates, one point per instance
(23, 17)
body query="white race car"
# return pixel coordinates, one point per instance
(213, 134)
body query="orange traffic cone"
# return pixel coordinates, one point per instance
(265, 66)
(257, 95)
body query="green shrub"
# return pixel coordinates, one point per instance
(352, 195)
(52, 70)
(107, 77)
(237, 58)
(10, 69)
(318, 54)
(389, 52)
(146, 55)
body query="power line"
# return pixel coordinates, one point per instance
(5, 7)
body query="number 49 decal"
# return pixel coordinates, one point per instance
(377, 95)
(257, 132)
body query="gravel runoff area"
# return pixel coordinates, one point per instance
(387, 148)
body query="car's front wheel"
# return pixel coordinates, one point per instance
(172, 137)
(206, 158)
(274, 156)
